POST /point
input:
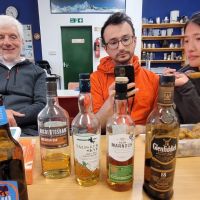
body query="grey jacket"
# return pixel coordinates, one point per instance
(187, 100)
(24, 90)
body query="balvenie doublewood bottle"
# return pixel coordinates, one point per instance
(120, 136)
(12, 174)
(86, 132)
(53, 124)
(161, 143)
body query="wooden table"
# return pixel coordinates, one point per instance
(186, 183)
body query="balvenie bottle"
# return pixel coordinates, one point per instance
(53, 125)
(120, 136)
(12, 173)
(161, 143)
(86, 133)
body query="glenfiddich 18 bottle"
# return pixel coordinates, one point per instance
(12, 174)
(53, 124)
(120, 135)
(86, 132)
(161, 143)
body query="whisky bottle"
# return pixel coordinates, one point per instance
(53, 126)
(161, 143)
(120, 136)
(12, 173)
(86, 133)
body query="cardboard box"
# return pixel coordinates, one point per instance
(28, 146)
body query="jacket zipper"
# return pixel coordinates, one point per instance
(7, 78)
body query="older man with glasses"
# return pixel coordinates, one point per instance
(118, 38)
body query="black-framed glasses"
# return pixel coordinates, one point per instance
(125, 40)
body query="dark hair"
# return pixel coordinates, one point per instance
(194, 19)
(115, 19)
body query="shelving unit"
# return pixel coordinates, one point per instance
(173, 37)
(164, 61)
(164, 25)
(159, 51)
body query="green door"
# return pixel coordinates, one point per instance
(77, 52)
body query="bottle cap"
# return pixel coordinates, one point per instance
(84, 82)
(121, 87)
(167, 79)
(84, 76)
(51, 79)
(51, 86)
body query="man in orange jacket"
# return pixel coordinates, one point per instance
(118, 37)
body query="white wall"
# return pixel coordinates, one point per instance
(51, 32)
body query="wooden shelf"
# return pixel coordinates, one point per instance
(173, 37)
(161, 49)
(170, 38)
(164, 61)
(164, 25)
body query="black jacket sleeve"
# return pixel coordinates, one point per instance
(187, 100)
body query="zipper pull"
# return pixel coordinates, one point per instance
(8, 75)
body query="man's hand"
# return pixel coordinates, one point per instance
(180, 78)
(11, 116)
(111, 90)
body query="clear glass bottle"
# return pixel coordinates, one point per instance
(162, 131)
(12, 173)
(53, 125)
(120, 141)
(86, 133)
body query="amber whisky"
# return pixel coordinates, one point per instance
(161, 143)
(120, 135)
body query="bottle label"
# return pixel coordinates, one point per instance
(121, 147)
(9, 190)
(163, 163)
(3, 116)
(120, 174)
(54, 137)
(87, 150)
(166, 95)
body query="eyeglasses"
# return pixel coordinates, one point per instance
(114, 43)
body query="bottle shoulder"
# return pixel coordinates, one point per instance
(85, 118)
(162, 113)
(121, 119)
(85, 123)
(51, 112)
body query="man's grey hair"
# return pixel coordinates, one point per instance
(11, 21)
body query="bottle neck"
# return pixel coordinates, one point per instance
(121, 106)
(52, 100)
(166, 95)
(85, 102)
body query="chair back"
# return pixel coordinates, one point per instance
(73, 86)
(44, 64)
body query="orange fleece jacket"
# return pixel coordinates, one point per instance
(145, 80)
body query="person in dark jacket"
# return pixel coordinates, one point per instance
(187, 84)
(22, 83)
